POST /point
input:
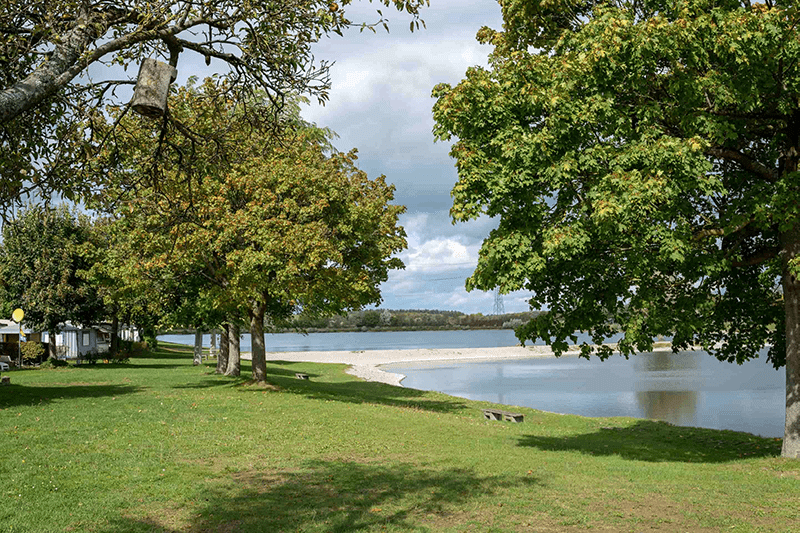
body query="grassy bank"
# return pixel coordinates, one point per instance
(160, 445)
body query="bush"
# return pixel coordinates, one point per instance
(90, 357)
(119, 357)
(32, 352)
(53, 363)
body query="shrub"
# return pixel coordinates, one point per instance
(53, 363)
(90, 357)
(32, 352)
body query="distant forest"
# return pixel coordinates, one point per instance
(409, 319)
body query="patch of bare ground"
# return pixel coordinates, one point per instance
(261, 385)
(655, 514)
(169, 517)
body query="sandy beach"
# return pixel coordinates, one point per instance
(365, 364)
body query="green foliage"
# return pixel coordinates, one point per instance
(44, 258)
(50, 110)
(641, 158)
(279, 225)
(32, 352)
(90, 357)
(403, 319)
(54, 363)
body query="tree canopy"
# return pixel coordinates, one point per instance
(642, 158)
(44, 261)
(282, 225)
(62, 62)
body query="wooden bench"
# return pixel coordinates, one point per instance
(300, 375)
(496, 414)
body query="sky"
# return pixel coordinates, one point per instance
(380, 103)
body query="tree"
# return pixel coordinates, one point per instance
(61, 63)
(283, 225)
(642, 158)
(43, 265)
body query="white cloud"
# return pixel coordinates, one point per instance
(439, 255)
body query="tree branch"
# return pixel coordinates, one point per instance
(747, 163)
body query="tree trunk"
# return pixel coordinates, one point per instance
(233, 351)
(212, 344)
(259, 354)
(198, 347)
(114, 347)
(222, 358)
(52, 345)
(791, 298)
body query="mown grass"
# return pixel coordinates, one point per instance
(160, 445)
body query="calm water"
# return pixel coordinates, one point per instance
(687, 389)
(371, 340)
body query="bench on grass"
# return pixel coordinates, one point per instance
(496, 414)
(300, 375)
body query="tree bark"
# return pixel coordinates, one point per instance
(198, 347)
(259, 354)
(234, 368)
(114, 347)
(61, 67)
(52, 345)
(791, 298)
(222, 357)
(212, 344)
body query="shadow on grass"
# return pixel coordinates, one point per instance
(26, 395)
(367, 392)
(334, 497)
(649, 440)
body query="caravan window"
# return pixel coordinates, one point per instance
(86, 338)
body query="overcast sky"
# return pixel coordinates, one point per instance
(381, 104)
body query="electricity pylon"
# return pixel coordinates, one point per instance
(499, 307)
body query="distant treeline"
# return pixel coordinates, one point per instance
(410, 319)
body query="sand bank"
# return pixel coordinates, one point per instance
(365, 364)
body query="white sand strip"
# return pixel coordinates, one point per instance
(365, 364)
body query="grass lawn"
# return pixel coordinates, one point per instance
(160, 445)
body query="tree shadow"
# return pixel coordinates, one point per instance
(655, 441)
(337, 497)
(368, 392)
(26, 395)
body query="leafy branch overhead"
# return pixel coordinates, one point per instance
(62, 62)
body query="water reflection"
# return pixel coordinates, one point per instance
(667, 386)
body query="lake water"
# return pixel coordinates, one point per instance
(688, 389)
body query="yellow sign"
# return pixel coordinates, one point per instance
(18, 315)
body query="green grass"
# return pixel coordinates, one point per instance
(161, 445)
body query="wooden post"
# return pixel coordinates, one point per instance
(152, 88)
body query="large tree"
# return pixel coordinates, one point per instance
(642, 158)
(63, 61)
(44, 260)
(283, 224)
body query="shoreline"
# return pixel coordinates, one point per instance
(366, 364)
